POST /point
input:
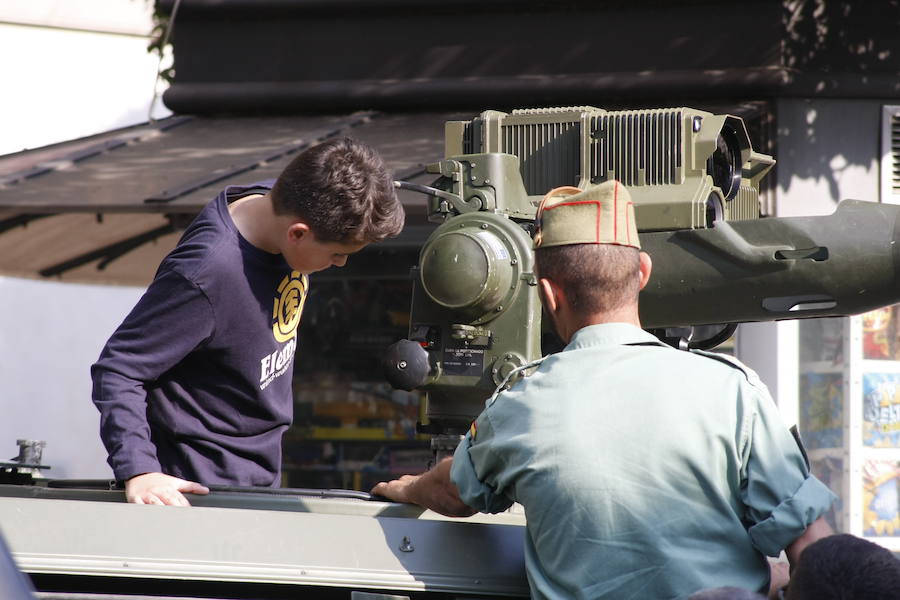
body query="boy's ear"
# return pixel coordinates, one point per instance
(297, 230)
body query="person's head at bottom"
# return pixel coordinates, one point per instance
(845, 567)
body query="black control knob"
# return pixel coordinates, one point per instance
(406, 365)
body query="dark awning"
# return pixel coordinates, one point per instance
(304, 55)
(106, 209)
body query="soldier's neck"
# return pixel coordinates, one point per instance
(567, 323)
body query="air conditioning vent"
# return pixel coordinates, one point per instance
(637, 147)
(895, 154)
(890, 154)
(468, 144)
(549, 153)
(678, 163)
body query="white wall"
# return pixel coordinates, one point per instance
(62, 83)
(70, 69)
(828, 151)
(51, 334)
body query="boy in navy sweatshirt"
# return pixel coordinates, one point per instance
(194, 387)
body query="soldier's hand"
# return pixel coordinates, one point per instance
(779, 577)
(397, 490)
(159, 488)
(433, 489)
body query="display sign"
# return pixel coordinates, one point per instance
(880, 341)
(463, 361)
(881, 511)
(821, 410)
(881, 410)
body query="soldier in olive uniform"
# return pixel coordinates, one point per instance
(644, 471)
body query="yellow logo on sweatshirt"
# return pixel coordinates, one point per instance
(289, 306)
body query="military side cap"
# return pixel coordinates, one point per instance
(602, 214)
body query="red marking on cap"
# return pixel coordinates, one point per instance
(615, 213)
(628, 222)
(579, 202)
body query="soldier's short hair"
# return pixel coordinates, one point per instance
(596, 277)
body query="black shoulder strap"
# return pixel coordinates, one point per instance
(656, 343)
(795, 431)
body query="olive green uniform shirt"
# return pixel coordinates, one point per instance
(644, 471)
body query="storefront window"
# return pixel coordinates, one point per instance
(351, 429)
(850, 418)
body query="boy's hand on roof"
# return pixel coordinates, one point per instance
(162, 489)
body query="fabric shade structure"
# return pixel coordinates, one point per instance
(106, 209)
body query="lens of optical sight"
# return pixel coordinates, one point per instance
(715, 211)
(724, 166)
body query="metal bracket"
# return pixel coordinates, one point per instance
(475, 336)
(109, 253)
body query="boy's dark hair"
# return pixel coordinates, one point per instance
(597, 277)
(845, 567)
(342, 190)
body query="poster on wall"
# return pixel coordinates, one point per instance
(881, 410)
(822, 340)
(881, 512)
(880, 334)
(830, 471)
(821, 410)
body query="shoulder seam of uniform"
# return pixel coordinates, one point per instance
(725, 359)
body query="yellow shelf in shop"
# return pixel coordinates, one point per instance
(355, 433)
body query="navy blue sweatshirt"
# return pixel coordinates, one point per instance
(196, 382)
